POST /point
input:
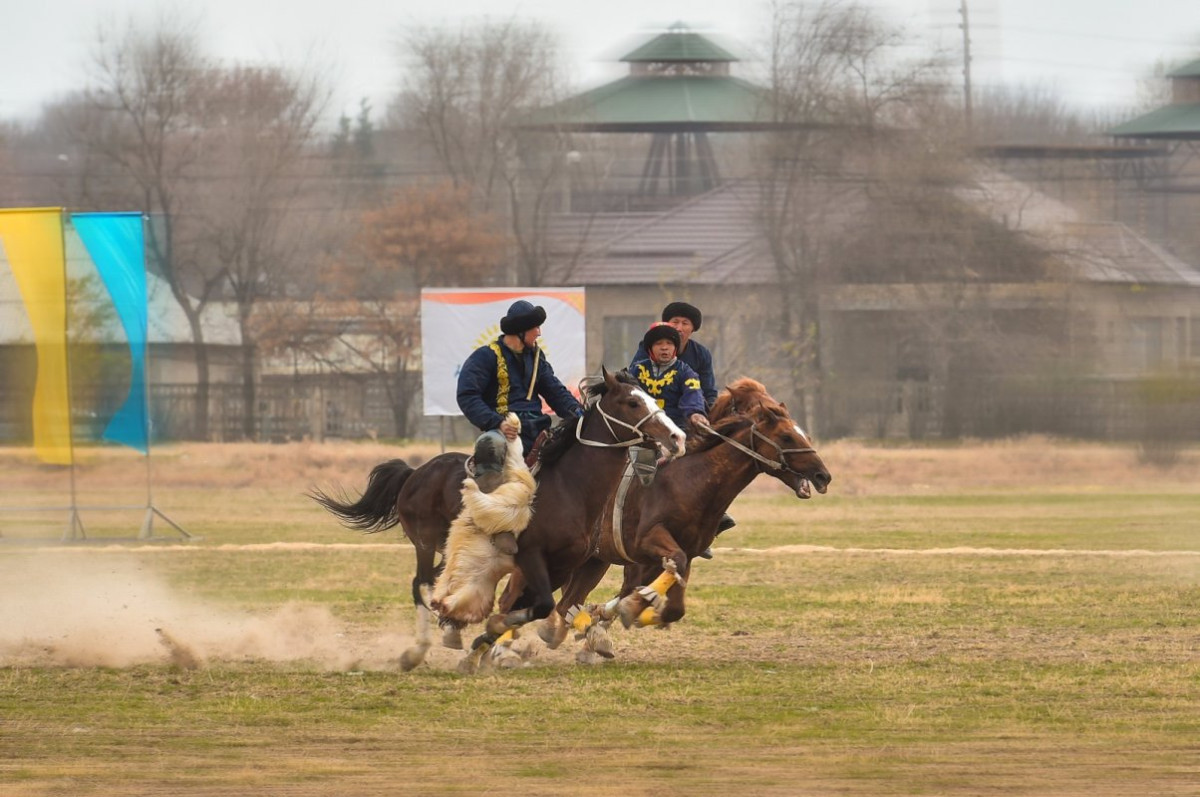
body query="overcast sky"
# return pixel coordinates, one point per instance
(1092, 52)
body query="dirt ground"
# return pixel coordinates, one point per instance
(117, 608)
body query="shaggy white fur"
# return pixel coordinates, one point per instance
(466, 589)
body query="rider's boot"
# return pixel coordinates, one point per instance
(724, 524)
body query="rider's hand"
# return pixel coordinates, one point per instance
(511, 431)
(698, 420)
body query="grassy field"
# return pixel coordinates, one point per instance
(1011, 618)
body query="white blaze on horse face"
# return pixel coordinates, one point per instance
(800, 431)
(676, 433)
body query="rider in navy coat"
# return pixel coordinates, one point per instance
(682, 318)
(669, 380)
(511, 375)
(686, 319)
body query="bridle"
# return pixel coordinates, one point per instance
(780, 465)
(636, 428)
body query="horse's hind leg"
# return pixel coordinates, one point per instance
(421, 583)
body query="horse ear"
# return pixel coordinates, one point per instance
(609, 379)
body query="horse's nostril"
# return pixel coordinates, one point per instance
(822, 479)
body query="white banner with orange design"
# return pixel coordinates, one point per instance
(457, 321)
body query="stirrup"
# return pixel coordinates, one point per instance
(645, 464)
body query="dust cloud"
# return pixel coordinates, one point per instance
(76, 610)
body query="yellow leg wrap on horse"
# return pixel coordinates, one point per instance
(666, 579)
(648, 617)
(583, 620)
(504, 638)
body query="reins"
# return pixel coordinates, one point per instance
(781, 464)
(608, 422)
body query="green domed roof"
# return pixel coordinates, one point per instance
(680, 44)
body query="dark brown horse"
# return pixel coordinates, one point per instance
(666, 525)
(578, 474)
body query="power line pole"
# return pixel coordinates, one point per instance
(966, 29)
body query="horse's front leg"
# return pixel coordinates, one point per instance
(662, 600)
(582, 619)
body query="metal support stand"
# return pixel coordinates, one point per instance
(147, 531)
(74, 525)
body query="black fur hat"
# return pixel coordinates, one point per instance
(522, 316)
(683, 310)
(661, 330)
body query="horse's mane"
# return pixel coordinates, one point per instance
(562, 437)
(742, 402)
(740, 396)
(732, 424)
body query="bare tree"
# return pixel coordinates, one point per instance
(218, 157)
(836, 94)
(364, 322)
(469, 93)
(260, 122)
(140, 119)
(429, 235)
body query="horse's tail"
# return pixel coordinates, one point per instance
(377, 508)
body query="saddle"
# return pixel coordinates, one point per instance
(535, 451)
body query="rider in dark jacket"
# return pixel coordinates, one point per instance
(511, 375)
(669, 381)
(686, 319)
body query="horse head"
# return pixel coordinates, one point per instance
(740, 396)
(631, 415)
(786, 450)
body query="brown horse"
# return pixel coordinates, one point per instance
(579, 471)
(666, 525)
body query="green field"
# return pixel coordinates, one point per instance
(925, 628)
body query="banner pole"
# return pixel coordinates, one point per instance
(74, 523)
(147, 530)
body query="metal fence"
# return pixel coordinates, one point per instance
(1115, 410)
(1133, 410)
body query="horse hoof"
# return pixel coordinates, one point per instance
(452, 637)
(468, 665)
(552, 633)
(629, 608)
(600, 642)
(412, 657)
